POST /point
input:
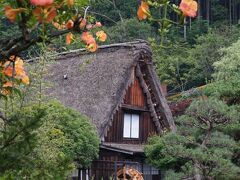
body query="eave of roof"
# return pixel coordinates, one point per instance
(123, 148)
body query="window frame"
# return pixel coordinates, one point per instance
(139, 118)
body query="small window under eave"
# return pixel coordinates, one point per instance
(131, 125)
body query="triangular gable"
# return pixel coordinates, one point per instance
(156, 101)
(136, 100)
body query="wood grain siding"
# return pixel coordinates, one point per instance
(134, 99)
(134, 95)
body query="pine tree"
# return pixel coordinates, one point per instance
(200, 149)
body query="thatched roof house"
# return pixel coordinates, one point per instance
(95, 83)
(118, 79)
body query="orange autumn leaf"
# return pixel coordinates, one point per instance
(11, 13)
(17, 72)
(70, 3)
(87, 38)
(51, 15)
(189, 8)
(41, 2)
(89, 26)
(25, 80)
(45, 14)
(143, 9)
(8, 84)
(101, 35)
(70, 24)
(83, 23)
(58, 26)
(18, 62)
(69, 38)
(5, 91)
(8, 71)
(92, 47)
(38, 14)
(97, 24)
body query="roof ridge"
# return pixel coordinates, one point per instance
(131, 44)
(123, 44)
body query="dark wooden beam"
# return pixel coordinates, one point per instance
(134, 108)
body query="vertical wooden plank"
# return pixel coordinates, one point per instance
(134, 95)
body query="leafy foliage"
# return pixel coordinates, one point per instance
(60, 138)
(207, 48)
(183, 66)
(172, 65)
(226, 82)
(194, 30)
(47, 139)
(18, 137)
(126, 31)
(111, 11)
(200, 147)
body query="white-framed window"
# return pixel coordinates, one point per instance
(131, 125)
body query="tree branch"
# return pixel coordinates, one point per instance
(20, 44)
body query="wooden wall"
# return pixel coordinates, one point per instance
(134, 95)
(134, 102)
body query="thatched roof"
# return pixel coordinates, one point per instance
(95, 83)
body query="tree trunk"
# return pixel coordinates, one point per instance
(208, 11)
(185, 29)
(199, 9)
(190, 22)
(230, 12)
(197, 175)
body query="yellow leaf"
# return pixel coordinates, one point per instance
(25, 79)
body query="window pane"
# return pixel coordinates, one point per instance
(127, 125)
(135, 126)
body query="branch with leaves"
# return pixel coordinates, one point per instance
(39, 22)
(186, 8)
